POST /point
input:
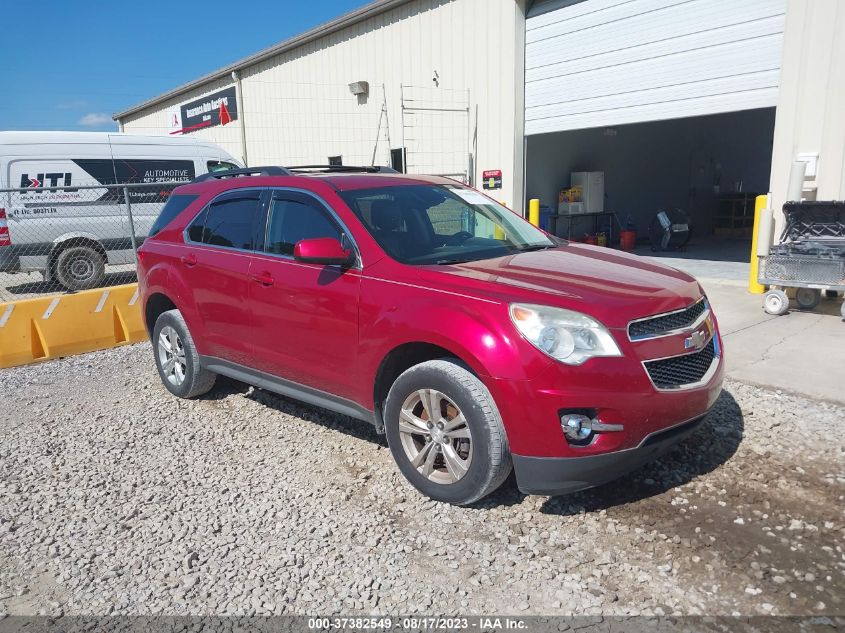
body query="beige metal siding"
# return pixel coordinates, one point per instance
(298, 108)
(811, 109)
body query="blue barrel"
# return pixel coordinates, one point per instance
(545, 217)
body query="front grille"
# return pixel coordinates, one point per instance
(661, 324)
(681, 370)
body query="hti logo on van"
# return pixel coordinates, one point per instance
(55, 179)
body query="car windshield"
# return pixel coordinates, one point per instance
(442, 224)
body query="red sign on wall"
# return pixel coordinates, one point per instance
(492, 179)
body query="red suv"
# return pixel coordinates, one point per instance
(475, 341)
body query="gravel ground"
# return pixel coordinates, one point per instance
(116, 498)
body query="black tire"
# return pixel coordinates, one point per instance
(491, 461)
(197, 380)
(80, 268)
(808, 298)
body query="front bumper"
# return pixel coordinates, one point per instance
(565, 475)
(649, 418)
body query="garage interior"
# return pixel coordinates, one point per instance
(711, 167)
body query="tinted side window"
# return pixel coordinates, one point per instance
(228, 223)
(294, 220)
(174, 206)
(220, 165)
(197, 227)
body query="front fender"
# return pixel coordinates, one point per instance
(476, 330)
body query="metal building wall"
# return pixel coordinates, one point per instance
(298, 107)
(811, 108)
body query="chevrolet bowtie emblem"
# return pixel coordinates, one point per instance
(696, 340)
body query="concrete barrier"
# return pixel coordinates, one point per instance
(62, 325)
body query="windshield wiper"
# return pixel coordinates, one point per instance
(442, 262)
(535, 247)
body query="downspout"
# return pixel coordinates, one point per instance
(236, 77)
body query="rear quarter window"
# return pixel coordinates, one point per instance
(174, 206)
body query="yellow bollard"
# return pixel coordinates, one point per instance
(498, 233)
(753, 286)
(534, 211)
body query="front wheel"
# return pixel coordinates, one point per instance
(776, 302)
(445, 432)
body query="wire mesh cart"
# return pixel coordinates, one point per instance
(809, 258)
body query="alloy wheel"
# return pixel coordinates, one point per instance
(171, 355)
(435, 436)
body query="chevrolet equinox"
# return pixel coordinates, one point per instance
(475, 341)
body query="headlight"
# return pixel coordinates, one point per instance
(570, 337)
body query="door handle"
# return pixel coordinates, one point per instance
(189, 260)
(265, 278)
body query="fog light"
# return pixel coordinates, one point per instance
(579, 428)
(575, 426)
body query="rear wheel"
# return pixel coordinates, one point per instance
(445, 432)
(80, 268)
(807, 298)
(177, 359)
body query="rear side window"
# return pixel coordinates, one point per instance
(174, 206)
(228, 223)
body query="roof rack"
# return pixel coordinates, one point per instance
(270, 170)
(374, 169)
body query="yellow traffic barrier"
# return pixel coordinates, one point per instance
(32, 330)
(534, 211)
(754, 287)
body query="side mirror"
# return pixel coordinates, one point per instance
(323, 250)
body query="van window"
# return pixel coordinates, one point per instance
(220, 165)
(173, 207)
(228, 223)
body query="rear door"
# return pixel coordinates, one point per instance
(305, 316)
(215, 266)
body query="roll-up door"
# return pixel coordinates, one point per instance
(610, 62)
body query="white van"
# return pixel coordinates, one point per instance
(65, 224)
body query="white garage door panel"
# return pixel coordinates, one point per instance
(588, 14)
(699, 106)
(728, 60)
(644, 18)
(608, 62)
(698, 41)
(687, 92)
(678, 30)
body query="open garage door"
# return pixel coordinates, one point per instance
(610, 62)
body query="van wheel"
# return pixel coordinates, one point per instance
(445, 432)
(80, 268)
(177, 359)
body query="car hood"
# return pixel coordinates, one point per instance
(609, 285)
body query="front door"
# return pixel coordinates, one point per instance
(305, 316)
